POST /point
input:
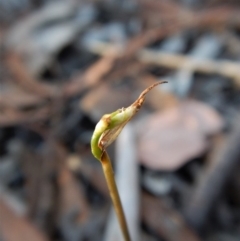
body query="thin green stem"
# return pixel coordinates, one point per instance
(109, 175)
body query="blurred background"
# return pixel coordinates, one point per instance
(66, 63)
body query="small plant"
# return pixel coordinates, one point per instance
(106, 131)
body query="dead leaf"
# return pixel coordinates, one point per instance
(171, 138)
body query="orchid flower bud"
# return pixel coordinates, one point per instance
(111, 125)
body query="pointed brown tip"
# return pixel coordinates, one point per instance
(151, 87)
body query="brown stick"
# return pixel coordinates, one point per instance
(165, 221)
(223, 160)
